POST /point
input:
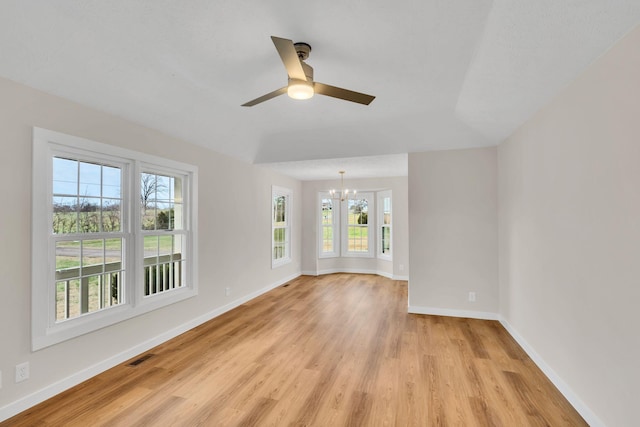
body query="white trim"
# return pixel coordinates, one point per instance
(469, 314)
(353, 271)
(589, 416)
(51, 390)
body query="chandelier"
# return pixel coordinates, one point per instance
(344, 193)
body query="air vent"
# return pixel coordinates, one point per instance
(141, 359)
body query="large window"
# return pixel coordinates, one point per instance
(113, 235)
(281, 226)
(384, 225)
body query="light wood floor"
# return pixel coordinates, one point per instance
(336, 350)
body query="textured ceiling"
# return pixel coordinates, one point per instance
(446, 74)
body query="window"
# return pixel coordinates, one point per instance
(117, 228)
(281, 226)
(356, 231)
(329, 219)
(163, 231)
(86, 235)
(384, 225)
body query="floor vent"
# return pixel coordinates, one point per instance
(140, 360)
(285, 285)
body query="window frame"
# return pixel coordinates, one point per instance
(381, 195)
(277, 191)
(335, 226)
(344, 228)
(48, 144)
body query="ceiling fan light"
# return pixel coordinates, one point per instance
(300, 90)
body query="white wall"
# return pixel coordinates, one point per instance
(570, 234)
(453, 246)
(398, 268)
(234, 241)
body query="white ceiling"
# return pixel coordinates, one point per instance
(446, 74)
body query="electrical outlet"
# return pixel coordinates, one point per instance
(22, 372)
(472, 297)
(227, 291)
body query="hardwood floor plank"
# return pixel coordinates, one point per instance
(334, 350)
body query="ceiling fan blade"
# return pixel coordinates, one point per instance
(266, 97)
(347, 95)
(289, 58)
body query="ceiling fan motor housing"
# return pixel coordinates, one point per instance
(302, 49)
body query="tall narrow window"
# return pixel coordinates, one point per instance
(356, 239)
(384, 225)
(163, 231)
(281, 226)
(329, 219)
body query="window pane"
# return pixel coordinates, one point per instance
(151, 248)
(159, 194)
(89, 217)
(386, 240)
(111, 182)
(65, 176)
(327, 239)
(68, 259)
(164, 187)
(92, 256)
(78, 192)
(358, 239)
(90, 180)
(279, 209)
(386, 214)
(327, 211)
(164, 216)
(65, 215)
(111, 215)
(147, 189)
(81, 283)
(358, 212)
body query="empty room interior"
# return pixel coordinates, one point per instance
(330, 213)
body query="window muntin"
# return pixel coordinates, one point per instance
(384, 225)
(85, 273)
(281, 226)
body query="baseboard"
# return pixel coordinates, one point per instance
(58, 387)
(589, 416)
(353, 271)
(484, 315)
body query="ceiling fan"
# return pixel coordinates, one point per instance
(301, 84)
